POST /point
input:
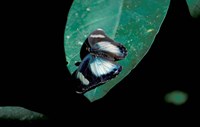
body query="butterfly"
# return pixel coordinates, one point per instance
(99, 65)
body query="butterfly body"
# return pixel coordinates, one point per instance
(99, 65)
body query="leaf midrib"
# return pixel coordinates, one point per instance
(118, 19)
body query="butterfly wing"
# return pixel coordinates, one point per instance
(100, 42)
(94, 71)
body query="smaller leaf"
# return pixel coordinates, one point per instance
(19, 113)
(194, 8)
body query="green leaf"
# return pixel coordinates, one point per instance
(194, 8)
(176, 97)
(19, 113)
(134, 23)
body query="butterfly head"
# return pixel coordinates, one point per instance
(88, 49)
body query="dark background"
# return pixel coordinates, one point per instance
(34, 73)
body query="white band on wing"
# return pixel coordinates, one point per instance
(97, 36)
(101, 67)
(82, 78)
(107, 46)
